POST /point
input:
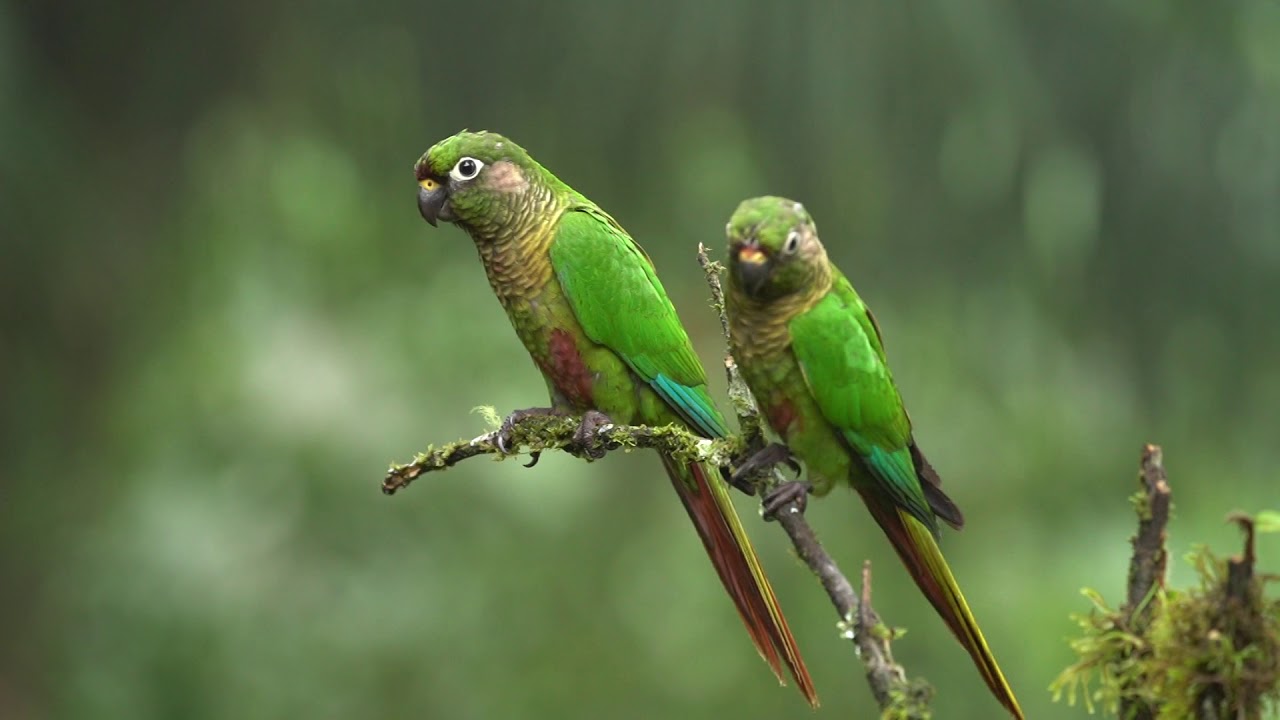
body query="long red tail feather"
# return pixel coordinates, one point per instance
(922, 556)
(711, 509)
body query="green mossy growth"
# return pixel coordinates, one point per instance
(1215, 653)
(910, 701)
(1107, 650)
(1210, 652)
(1141, 503)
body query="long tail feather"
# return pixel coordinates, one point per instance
(711, 509)
(922, 556)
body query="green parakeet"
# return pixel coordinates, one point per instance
(812, 355)
(585, 301)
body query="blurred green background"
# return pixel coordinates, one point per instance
(223, 318)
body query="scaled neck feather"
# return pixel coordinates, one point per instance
(760, 327)
(515, 246)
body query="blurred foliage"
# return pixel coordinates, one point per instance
(223, 318)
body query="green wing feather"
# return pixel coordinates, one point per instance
(621, 304)
(842, 358)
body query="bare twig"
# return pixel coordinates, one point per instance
(1147, 567)
(744, 405)
(1148, 564)
(1240, 567)
(887, 678)
(811, 552)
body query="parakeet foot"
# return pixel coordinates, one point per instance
(785, 494)
(504, 439)
(586, 441)
(742, 483)
(764, 460)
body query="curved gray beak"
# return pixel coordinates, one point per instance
(433, 202)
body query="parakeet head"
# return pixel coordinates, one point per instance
(478, 180)
(774, 249)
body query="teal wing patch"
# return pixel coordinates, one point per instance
(692, 402)
(843, 362)
(620, 303)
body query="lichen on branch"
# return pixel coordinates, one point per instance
(538, 433)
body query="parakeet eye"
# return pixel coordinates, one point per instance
(466, 169)
(792, 244)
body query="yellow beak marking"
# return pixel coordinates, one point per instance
(751, 256)
(428, 184)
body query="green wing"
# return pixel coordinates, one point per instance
(620, 303)
(842, 358)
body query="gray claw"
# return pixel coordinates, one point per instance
(586, 439)
(785, 494)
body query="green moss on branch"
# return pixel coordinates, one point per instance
(534, 434)
(1211, 652)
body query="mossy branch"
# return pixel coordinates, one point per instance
(1211, 652)
(898, 697)
(538, 433)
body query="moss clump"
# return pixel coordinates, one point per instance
(1209, 652)
(1216, 649)
(1108, 650)
(910, 701)
(682, 444)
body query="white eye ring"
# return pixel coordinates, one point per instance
(466, 169)
(792, 244)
